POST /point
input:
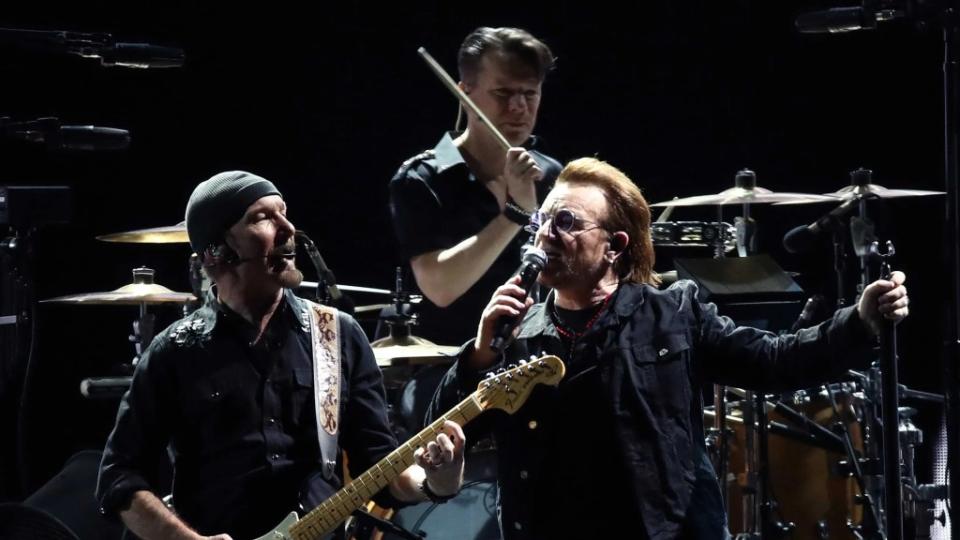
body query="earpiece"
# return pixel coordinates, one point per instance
(618, 242)
(218, 254)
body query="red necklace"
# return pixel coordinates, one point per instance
(569, 333)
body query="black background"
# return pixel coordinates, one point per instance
(328, 100)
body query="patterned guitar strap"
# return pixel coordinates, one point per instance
(325, 334)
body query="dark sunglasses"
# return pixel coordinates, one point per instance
(562, 221)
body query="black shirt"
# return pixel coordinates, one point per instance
(238, 420)
(436, 202)
(618, 445)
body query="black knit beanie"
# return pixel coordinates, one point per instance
(216, 204)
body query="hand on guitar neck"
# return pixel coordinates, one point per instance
(507, 390)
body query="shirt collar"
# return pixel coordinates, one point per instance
(627, 298)
(448, 155)
(288, 312)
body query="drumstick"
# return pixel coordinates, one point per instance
(464, 98)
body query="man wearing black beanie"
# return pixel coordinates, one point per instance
(243, 395)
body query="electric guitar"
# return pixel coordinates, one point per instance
(507, 390)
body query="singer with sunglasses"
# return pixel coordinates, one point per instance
(256, 395)
(617, 449)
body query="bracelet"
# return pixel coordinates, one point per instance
(434, 498)
(515, 213)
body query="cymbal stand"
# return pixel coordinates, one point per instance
(19, 303)
(143, 326)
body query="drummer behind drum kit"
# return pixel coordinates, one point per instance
(808, 464)
(817, 451)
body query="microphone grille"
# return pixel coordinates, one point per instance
(533, 254)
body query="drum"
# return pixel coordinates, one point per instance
(692, 234)
(809, 487)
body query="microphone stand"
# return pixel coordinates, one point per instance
(893, 486)
(327, 291)
(944, 14)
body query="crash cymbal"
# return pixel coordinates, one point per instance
(862, 187)
(755, 195)
(141, 291)
(411, 350)
(133, 294)
(174, 234)
(875, 191)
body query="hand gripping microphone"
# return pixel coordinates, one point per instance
(533, 261)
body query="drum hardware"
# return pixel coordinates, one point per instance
(141, 293)
(693, 234)
(401, 347)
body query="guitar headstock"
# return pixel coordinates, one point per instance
(509, 389)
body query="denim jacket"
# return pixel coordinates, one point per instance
(618, 441)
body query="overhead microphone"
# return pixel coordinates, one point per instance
(98, 45)
(801, 239)
(57, 136)
(809, 311)
(843, 19)
(532, 263)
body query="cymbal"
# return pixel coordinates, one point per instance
(174, 234)
(876, 191)
(741, 195)
(411, 350)
(133, 294)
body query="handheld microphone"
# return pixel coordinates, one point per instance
(532, 263)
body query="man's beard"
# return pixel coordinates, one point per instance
(290, 278)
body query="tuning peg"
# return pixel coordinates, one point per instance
(489, 375)
(511, 366)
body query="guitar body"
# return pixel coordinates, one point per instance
(282, 531)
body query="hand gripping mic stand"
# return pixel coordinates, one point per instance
(942, 14)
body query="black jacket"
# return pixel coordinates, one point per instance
(239, 421)
(616, 446)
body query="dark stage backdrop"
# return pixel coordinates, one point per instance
(327, 100)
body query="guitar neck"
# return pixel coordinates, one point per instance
(333, 511)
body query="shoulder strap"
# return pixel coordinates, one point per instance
(325, 334)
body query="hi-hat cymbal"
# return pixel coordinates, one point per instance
(411, 350)
(133, 294)
(174, 234)
(740, 195)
